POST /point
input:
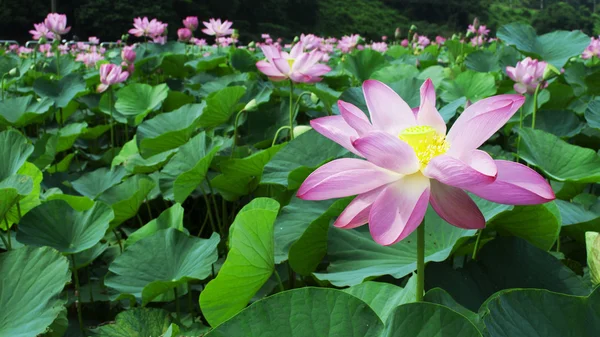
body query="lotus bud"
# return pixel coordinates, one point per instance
(251, 44)
(413, 28)
(251, 106)
(398, 33)
(14, 72)
(314, 98)
(476, 23)
(550, 72)
(300, 129)
(296, 39)
(235, 35)
(470, 34)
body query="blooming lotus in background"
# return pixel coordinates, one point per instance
(41, 31)
(423, 41)
(347, 43)
(379, 46)
(148, 28)
(89, 59)
(404, 43)
(24, 50)
(310, 41)
(191, 23)
(384, 38)
(45, 48)
(184, 34)
(411, 162)
(128, 54)
(93, 40)
(590, 51)
(57, 23)
(440, 40)
(477, 41)
(160, 39)
(111, 74)
(528, 74)
(226, 41)
(217, 28)
(198, 42)
(299, 66)
(482, 30)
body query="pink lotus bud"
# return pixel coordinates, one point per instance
(397, 33)
(184, 34)
(111, 74)
(191, 23)
(57, 23)
(128, 54)
(404, 43)
(384, 38)
(93, 40)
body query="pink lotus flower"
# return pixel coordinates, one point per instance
(265, 36)
(379, 46)
(226, 41)
(111, 74)
(41, 31)
(310, 41)
(198, 42)
(440, 40)
(298, 66)
(24, 50)
(184, 34)
(144, 27)
(478, 40)
(57, 23)
(191, 23)
(128, 54)
(347, 43)
(93, 40)
(216, 28)
(423, 41)
(411, 162)
(45, 48)
(528, 74)
(483, 30)
(404, 43)
(89, 59)
(384, 38)
(160, 39)
(471, 29)
(590, 51)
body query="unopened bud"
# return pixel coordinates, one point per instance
(14, 72)
(314, 98)
(300, 129)
(398, 33)
(251, 44)
(476, 23)
(251, 106)
(296, 39)
(413, 28)
(470, 34)
(550, 72)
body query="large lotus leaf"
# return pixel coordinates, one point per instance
(14, 151)
(32, 280)
(300, 153)
(504, 263)
(561, 123)
(541, 313)
(364, 63)
(13, 189)
(538, 224)
(127, 197)
(440, 296)
(137, 100)
(172, 217)
(159, 263)
(136, 322)
(249, 262)
(559, 159)
(383, 298)
(428, 319)
(56, 224)
(304, 312)
(242, 60)
(470, 84)
(92, 184)
(220, 106)
(168, 130)
(68, 134)
(577, 219)
(555, 48)
(29, 201)
(62, 91)
(134, 163)
(24, 110)
(354, 256)
(592, 245)
(592, 114)
(188, 168)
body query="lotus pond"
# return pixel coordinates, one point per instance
(316, 187)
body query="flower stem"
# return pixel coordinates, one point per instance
(112, 131)
(277, 134)
(420, 262)
(78, 292)
(291, 110)
(235, 130)
(118, 239)
(519, 133)
(535, 107)
(281, 288)
(177, 306)
(9, 243)
(476, 248)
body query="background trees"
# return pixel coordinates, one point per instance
(372, 18)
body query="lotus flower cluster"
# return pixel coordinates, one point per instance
(297, 65)
(528, 74)
(215, 27)
(154, 29)
(411, 162)
(111, 74)
(53, 27)
(347, 43)
(592, 50)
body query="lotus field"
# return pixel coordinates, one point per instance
(408, 186)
